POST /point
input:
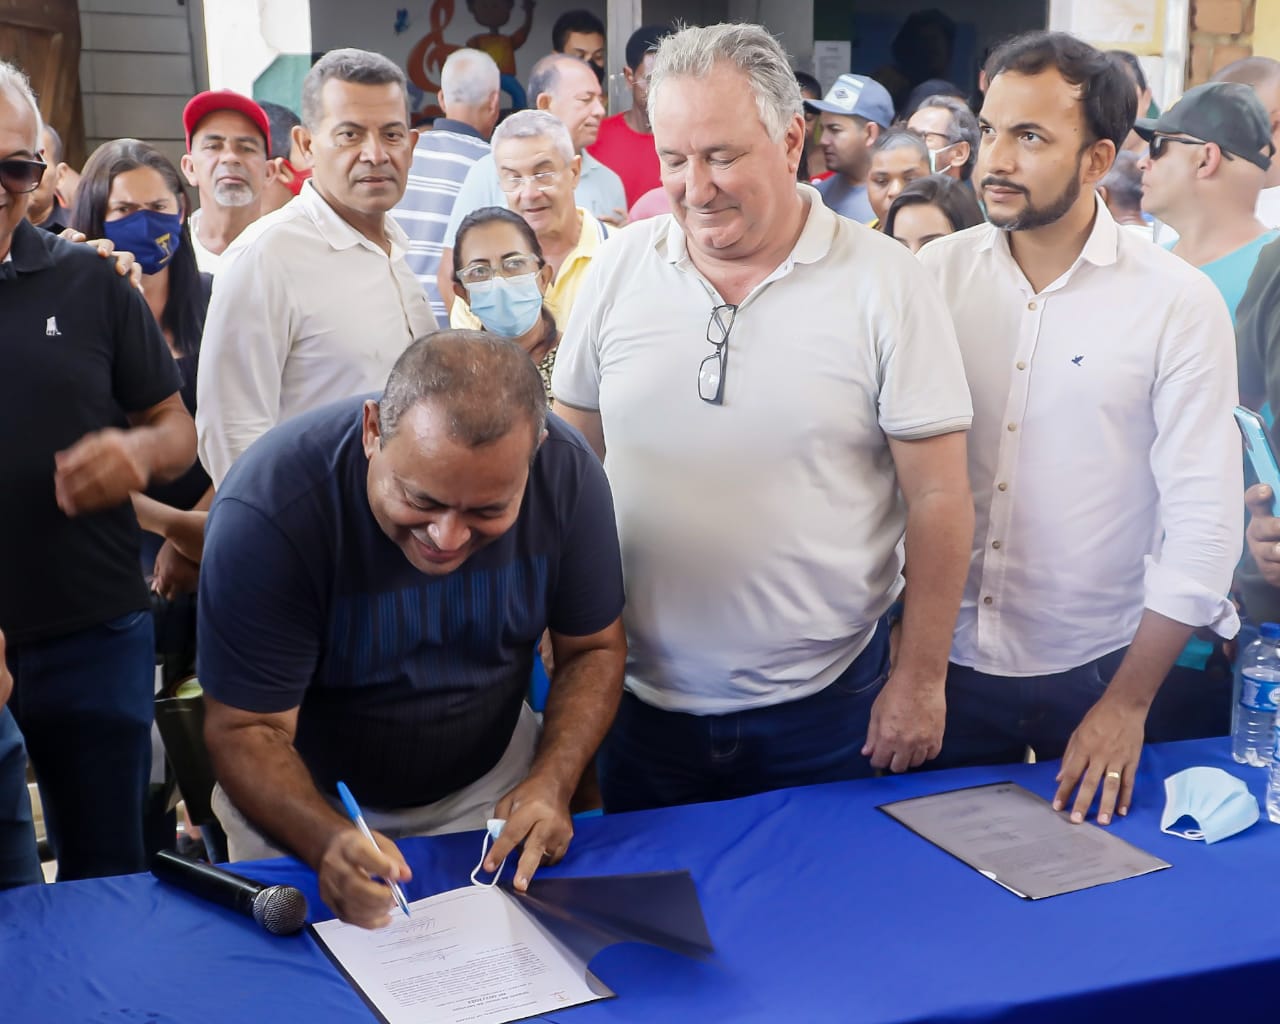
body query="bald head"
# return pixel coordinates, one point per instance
(1262, 75)
(486, 386)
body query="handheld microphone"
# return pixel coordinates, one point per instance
(280, 909)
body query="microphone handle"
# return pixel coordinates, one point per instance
(208, 882)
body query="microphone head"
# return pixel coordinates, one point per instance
(280, 909)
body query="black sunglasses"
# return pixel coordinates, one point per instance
(21, 176)
(1160, 145)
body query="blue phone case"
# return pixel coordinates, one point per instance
(1257, 446)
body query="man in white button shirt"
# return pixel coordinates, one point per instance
(318, 301)
(1104, 461)
(778, 397)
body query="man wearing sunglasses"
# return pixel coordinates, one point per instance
(1207, 160)
(89, 412)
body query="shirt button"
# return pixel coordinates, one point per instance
(1031, 306)
(986, 600)
(1013, 426)
(1002, 487)
(995, 544)
(1021, 365)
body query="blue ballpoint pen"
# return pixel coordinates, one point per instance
(353, 809)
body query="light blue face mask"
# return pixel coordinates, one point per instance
(509, 306)
(1219, 804)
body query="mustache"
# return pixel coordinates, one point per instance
(1001, 183)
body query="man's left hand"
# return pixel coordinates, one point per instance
(126, 265)
(537, 815)
(174, 574)
(98, 471)
(907, 720)
(1104, 749)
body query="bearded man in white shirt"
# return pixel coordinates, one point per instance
(1104, 461)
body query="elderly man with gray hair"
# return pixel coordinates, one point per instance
(318, 300)
(951, 132)
(567, 89)
(782, 400)
(469, 96)
(538, 172)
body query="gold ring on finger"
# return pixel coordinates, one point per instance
(1114, 775)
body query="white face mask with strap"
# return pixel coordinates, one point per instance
(492, 832)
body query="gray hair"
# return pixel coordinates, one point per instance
(485, 384)
(362, 67)
(469, 77)
(694, 52)
(545, 76)
(535, 124)
(899, 137)
(964, 126)
(14, 81)
(1124, 181)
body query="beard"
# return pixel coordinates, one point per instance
(1037, 215)
(227, 193)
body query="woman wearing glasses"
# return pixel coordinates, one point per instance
(538, 171)
(501, 282)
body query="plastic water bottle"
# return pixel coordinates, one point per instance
(1252, 738)
(1273, 783)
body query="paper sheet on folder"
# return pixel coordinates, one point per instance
(1019, 841)
(480, 955)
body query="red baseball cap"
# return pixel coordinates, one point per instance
(203, 104)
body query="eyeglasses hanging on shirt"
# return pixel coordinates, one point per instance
(711, 371)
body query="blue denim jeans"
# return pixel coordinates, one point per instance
(656, 758)
(19, 862)
(993, 719)
(84, 703)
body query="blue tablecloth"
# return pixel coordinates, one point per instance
(822, 909)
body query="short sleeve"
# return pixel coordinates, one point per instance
(576, 378)
(144, 372)
(588, 594)
(259, 628)
(476, 192)
(1257, 320)
(923, 390)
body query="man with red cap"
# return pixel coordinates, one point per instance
(227, 162)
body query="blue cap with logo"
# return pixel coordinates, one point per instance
(857, 96)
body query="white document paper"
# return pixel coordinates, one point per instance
(469, 956)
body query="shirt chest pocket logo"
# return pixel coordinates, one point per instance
(51, 328)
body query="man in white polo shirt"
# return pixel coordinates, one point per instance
(778, 396)
(1104, 461)
(318, 300)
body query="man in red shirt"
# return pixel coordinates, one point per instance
(625, 144)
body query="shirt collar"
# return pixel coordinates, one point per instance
(27, 250)
(1101, 248)
(590, 236)
(813, 244)
(341, 235)
(448, 124)
(589, 164)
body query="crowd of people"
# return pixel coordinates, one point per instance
(784, 477)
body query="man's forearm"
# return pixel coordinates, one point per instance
(1153, 652)
(166, 444)
(581, 704)
(265, 778)
(939, 537)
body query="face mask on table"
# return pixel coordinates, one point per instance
(1219, 804)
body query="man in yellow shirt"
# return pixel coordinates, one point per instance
(538, 171)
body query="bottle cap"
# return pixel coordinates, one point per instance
(1270, 631)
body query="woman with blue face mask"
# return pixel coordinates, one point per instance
(502, 278)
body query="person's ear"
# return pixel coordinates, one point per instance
(302, 139)
(963, 152)
(873, 133)
(1100, 156)
(1210, 162)
(544, 277)
(794, 141)
(1105, 194)
(189, 170)
(440, 100)
(370, 430)
(575, 169)
(273, 169)
(543, 102)
(629, 76)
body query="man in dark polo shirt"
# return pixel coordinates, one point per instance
(89, 411)
(376, 576)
